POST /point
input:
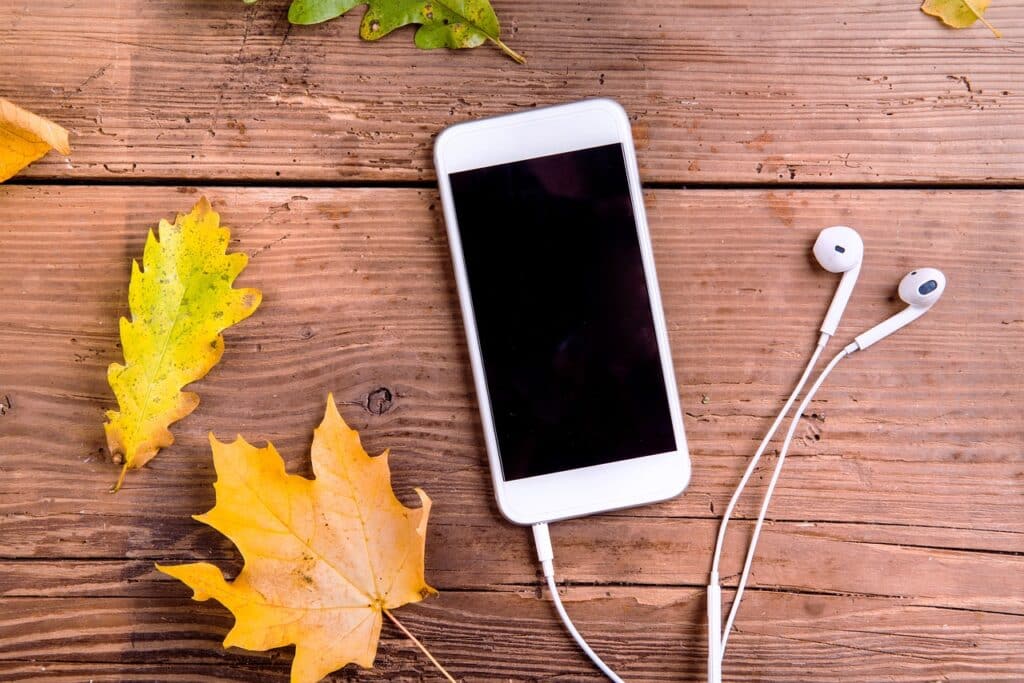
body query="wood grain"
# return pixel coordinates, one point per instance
(822, 558)
(855, 92)
(895, 550)
(649, 634)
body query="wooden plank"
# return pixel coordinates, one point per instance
(649, 634)
(75, 672)
(821, 558)
(902, 496)
(359, 297)
(855, 92)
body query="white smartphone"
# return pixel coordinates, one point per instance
(562, 312)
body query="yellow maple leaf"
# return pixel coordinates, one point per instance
(959, 13)
(180, 302)
(325, 558)
(25, 137)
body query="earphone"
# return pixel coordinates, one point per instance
(839, 249)
(919, 289)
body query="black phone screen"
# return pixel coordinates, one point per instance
(562, 311)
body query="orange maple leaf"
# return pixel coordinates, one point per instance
(325, 558)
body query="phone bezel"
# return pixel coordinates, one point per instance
(519, 136)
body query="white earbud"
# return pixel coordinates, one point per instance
(920, 289)
(839, 249)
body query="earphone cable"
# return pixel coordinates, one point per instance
(752, 465)
(771, 487)
(546, 556)
(716, 640)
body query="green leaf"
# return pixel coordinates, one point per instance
(442, 23)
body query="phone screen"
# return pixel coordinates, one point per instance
(562, 310)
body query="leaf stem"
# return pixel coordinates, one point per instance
(976, 13)
(519, 59)
(420, 645)
(120, 480)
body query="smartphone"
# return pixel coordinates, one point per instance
(562, 313)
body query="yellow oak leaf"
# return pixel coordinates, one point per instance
(325, 558)
(25, 137)
(959, 13)
(180, 301)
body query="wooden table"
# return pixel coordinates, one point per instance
(895, 545)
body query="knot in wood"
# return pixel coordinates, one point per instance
(379, 401)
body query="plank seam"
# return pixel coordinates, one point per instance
(266, 183)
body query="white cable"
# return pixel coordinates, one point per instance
(771, 486)
(546, 556)
(716, 640)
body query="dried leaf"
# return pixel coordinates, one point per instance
(25, 137)
(180, 302)
(324, 558)
(442, 23)
(959, 13)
